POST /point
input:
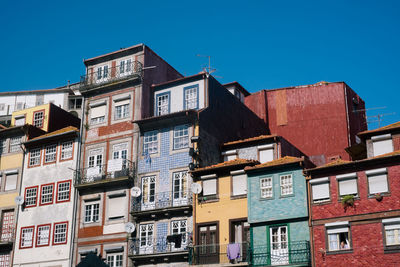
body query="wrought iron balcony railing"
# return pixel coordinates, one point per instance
(297, 252)
(218, 253)
(167, 244)
(161, 200)
(104, 75)
(7, 235)
(114, 169)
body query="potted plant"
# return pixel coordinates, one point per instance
(348, 201)
(378, 197)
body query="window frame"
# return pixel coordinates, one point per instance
(61, 150)
(388, 248)
(11, 145)
(215, 197)
(69, 191)
(281, 186)
(320, 181)
(30, 157)
(54, 243)
(272, 187)
(338, 225)
(45, 162)
(157, 113)
(42, 120)
(114, 255)
(236, 174)
(124, 111)
(346, 177)
(21, 239)
(187, 88)
(374, 173)
(37, 235)
(154, 133)
(36, 196)
(95, 121)
(178, 129)
(41, 194)
(91, 212)
(6, 177)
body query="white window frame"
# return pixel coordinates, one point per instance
(91, 212)
(191, 94)
(392, 226)
(31, 196)
(43, 235)
(46, 194)
(179, 227)
(163, 104)
(121, 111)
(38, 120)
(27, 237)
(347, 179)
(241, 175)
(50, 154)
(146, 239)
(181, 137)
(15, 144)
(266, 187)
(60, 233)
(115, 259)
(382, 144)
(286, 187)
(333, 232)
(67, 150)
(150, 142)
(34, 157)
(320, 184)
(375, 176)
(63, 191)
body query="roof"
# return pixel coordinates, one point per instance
(226, 164)
(241, 88)
(282, 161)
(68, 129)
(257, 138)
(63, 88)
(302, 86)
(195, 76)
(392, 126)
(86, 61)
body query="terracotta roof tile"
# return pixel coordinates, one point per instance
(57, 132)
(261, 137)
(277, 162)
(387, 127)
(227, 164)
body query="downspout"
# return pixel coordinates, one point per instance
(310, 220)
(76, 194)
(347, 116)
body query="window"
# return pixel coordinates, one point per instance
(180, 185)
(102, 73)
(3, 146)
(11, 181)
(125, 67)
(347, 184)
(115, 260)
(320, 189)
(19, 121)
(46, 194)
(191, 95)
(146, 235)
(392, 231)
(239, 183)
(43, 235)
(377, 181)
(7, 226)
(5, 259)
(98, 113)
(60, 233)
(66, 150)
(38, 119)
(31, 196)
(150, 143)
(210, 188)
(148, 190)
(179, 228)
(26, 239)
(286, 183)
(39, 100)
(162, 104)
(121, 109)
(75, 103)
(266, 187)
(50, 154)
(63, 191)
(229, 155)
(34, 157)
(92, 212)
(115, 206)
(15, 144)
(2, 106)
(338, 236)
(382, 144)
(20, 105)
(181, 137)
(266, 153)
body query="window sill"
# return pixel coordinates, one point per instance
(344, 251)
(239, 196)
(391, 249)
(285, 196)
(266, 198)
(321, 202)
(208, 199)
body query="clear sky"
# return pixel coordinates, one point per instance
(261, 44)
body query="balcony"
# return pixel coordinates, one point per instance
(117, 171)
(111, 75)
(153, 250)
(7, 237)
(163, 203)
(297, 253)
(218, 254)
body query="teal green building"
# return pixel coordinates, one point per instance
(278, 213)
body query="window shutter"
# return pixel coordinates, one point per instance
(382, 147)
(210, 187)
(115, 207)
(122, 102)
(320, 191)
(239, 183)
(98, 111)
(266, 155)
(229, 157)
(11, 182)
(348, 187)
(377, 184)
(338, 230)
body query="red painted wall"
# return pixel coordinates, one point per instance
(313, 118)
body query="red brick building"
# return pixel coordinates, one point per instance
(355, 206)
(320, 119)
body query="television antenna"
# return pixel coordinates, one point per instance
(209, 69)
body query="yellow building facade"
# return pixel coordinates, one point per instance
(37, 116)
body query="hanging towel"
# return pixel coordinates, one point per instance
(233, 251)
(177, 239)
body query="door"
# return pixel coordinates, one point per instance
(148, 192)
(208, 248)
(240, 234)
(146, 238)
(279, 245)
(94, 170)
(180, 193)
(120, 151)
(179, 228)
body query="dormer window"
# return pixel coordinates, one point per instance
(162, 103)
(265, 153)
(229, 155)
(191, 97)
(125, 66)
(382, 144)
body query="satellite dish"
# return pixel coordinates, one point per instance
(196, 188)
(129, 227)
(135, 191)
(19, 200)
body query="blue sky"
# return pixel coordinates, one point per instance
(261, 44)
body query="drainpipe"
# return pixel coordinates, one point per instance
(347, 116)
(310, 220)
(74, 223)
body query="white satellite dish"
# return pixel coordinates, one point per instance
(19, 200)
(196, 188)
(129, 227)
(135, 191)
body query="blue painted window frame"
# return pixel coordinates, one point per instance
(169, 102)
(184, 95)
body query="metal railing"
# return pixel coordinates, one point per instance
(96, 78)
(104, 172)
(7, 235)
(158, 245)
(297, 252)
(161, 200)
(218, 253)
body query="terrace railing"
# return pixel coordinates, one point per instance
(218, 254)
(158, 245)
(161, 200)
